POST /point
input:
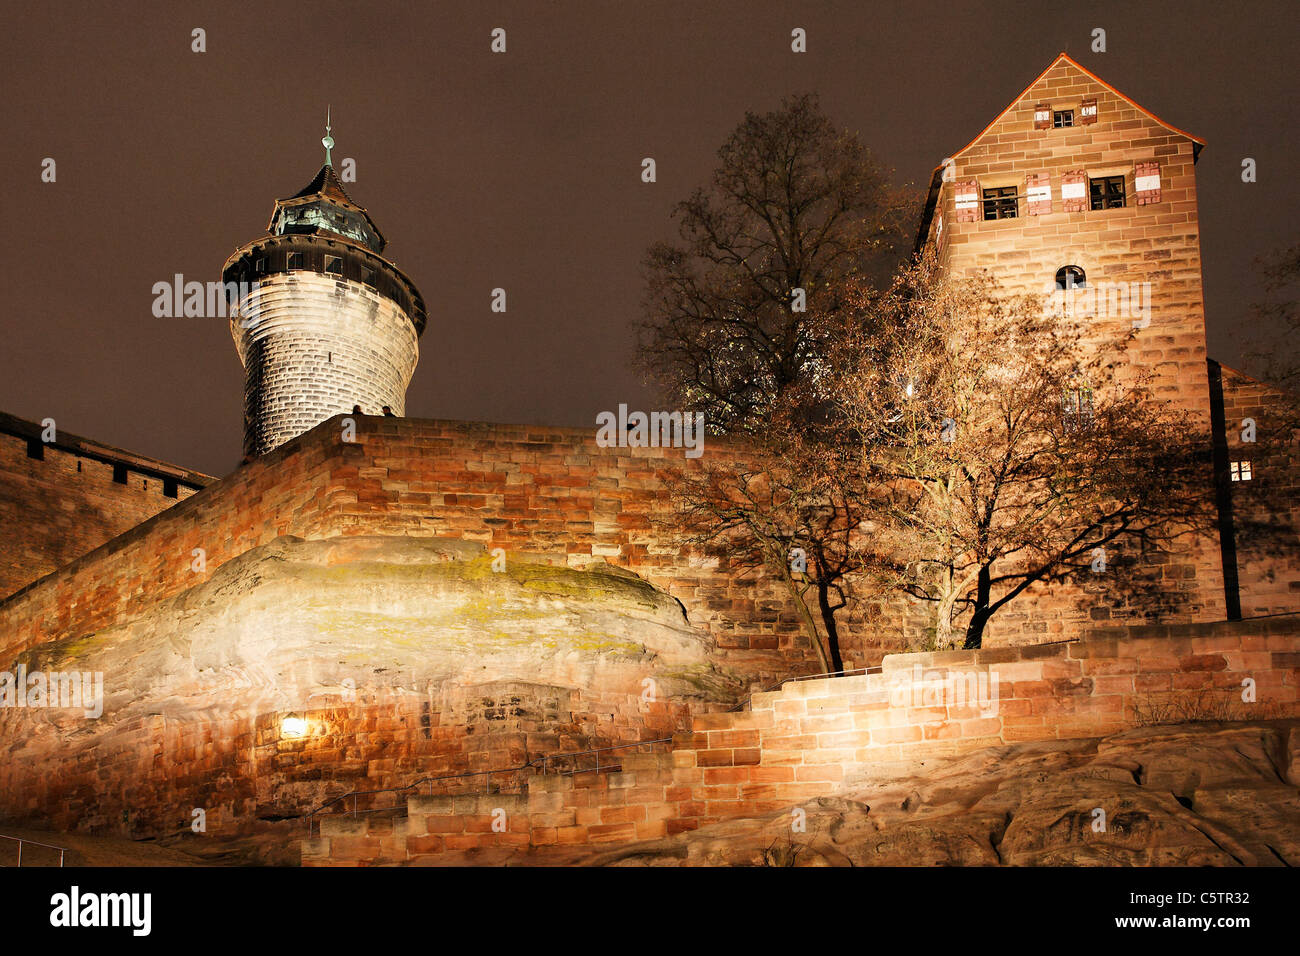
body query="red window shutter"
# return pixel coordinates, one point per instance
(1043, 116)
(1074, 191)
(967, 196)
(1146, 182)
(1038, 194)
(1088, 111)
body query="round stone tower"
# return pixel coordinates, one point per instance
(322, 321)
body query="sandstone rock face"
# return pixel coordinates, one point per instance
(1179, 795)
(404, 656)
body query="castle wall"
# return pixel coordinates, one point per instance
(549, 493)
(62, 505)
(816, 738)
(542, 491)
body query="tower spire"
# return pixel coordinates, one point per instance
(328, 141)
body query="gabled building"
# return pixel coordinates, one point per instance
(1078, 192)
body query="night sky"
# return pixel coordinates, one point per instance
(520, 170)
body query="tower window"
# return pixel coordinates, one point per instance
(119, 474)
(334, 265)
(259, 265)
(1000, 203)
(36, 449)
(1062, 118)
(1070, 277)
(1240, 471)
(295, 260)
(169, 488)
(1107, 192)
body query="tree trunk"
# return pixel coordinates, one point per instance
(832, 631)
(975, 629)
(943, 612)
(810, 624)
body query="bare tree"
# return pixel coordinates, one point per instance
(795, 206)
(795, 209)
(1276, 352)
(992, 448)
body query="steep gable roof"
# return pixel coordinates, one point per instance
(936, 178)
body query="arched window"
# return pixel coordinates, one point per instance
(1070, 277)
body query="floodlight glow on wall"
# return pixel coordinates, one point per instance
(293, 726)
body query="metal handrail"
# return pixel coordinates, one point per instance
(534, 763)
(21, 840)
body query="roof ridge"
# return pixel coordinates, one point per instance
(1091, 75)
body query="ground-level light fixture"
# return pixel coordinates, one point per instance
(293, 726)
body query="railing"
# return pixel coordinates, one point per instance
(539, 765)
(21, 841)
(791, 680)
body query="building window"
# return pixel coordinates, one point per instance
(295, 260)
(259, 265)
(119, 474)
(170, 489)
(1062, 118)
(334, 265)
(1000, 203)
(1240, 470)
(1107, 192)
(1076, 406)
(36, 449)
(1070, 277)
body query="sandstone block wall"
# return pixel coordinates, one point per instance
(1265, 510)
(60, 506)
(813, 738)
(540, 491)
(144, 776)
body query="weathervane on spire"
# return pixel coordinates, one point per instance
(328, 141)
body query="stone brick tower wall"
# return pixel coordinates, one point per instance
(1151, 242)
(1153, 238)
(314, 346)
(322, 321)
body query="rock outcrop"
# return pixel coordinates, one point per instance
(1176, 795)
(404, 657)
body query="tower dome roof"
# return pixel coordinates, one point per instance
(324, 207)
